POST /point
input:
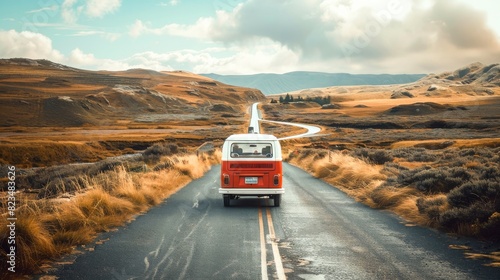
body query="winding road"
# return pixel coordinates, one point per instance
(255, 119)
(317, 233)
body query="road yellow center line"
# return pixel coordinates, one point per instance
(263, 258)
(280, 272)
(276, 252)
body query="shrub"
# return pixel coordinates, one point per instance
(376, 156)
(47, 177)
(474, 191)
(434, 180)
(307, 152)
(415, 154)
(472, 217)
(62, 185)
(460, 173)
(408, 177)
(392, 169)
(320, 155)
(432, 207)
(104, 165)
(162, 149)
(467, 152)
(155, 152)
(490, 173)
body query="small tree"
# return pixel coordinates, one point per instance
(287, 98)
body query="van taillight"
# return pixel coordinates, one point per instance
(276, 180)
(226, 179)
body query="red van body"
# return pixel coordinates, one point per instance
(251, 166)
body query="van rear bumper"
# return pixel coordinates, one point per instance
(255, 191)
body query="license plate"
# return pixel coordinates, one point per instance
(251, 180)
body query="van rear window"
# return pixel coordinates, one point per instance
(251, 150)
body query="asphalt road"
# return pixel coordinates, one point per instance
(255, 119)
(317, 233)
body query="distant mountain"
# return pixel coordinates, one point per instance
(279, 83)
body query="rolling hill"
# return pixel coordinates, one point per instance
(42, 93)
(279, 83)
(471, 80)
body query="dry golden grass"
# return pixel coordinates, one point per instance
(190, 166)
(353, 176)
(48, 228)
(361, 180)
(33, 243)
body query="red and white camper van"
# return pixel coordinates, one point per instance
(251, 166)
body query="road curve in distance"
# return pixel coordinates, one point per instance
(312, 130)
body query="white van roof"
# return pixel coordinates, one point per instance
(252, 137)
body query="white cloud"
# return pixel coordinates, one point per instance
(33, 45)
(68, 13)
(137, 29)
(71, 10)
(263, 57)
(99, 8)
(77, 57)
(27, 44)
(350, 34)
(199, 30)
(268, 57)
(80, 59)
(106, 35)
(280, 36)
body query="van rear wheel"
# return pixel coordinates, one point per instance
(277, 200)
(227, 200)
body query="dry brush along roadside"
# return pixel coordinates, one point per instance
(454, 190)
(60, 209)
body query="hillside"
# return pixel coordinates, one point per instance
(475, 74)
(471, 81)
(52, 114)
(279, 83)
(42, 93)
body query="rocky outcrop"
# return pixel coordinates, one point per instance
(475, 73)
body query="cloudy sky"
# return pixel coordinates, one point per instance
(254, 36)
